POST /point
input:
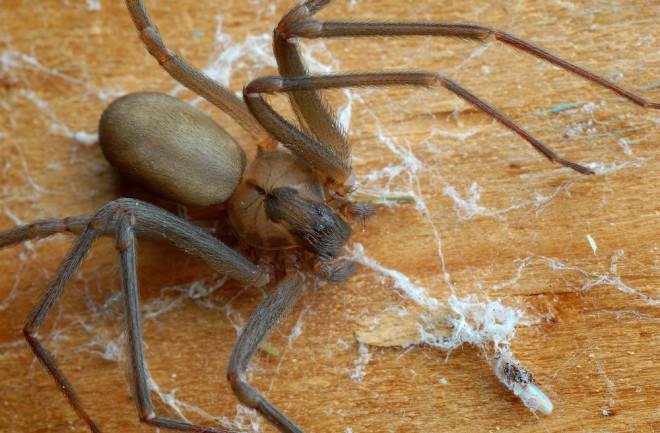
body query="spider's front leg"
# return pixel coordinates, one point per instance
(310, 109)
(305, 145)
(121, 217)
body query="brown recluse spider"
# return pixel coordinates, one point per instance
(291, 203)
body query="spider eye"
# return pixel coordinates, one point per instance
(259, 190)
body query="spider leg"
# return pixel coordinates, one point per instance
(191, 77)
(312, 29)
(309, 106)
(51, 295)
(121, 215)
(270, 312)
(125, 241)
(331, 154)
(301, 142)
(154, 223)
(282, 129)
(43, 228)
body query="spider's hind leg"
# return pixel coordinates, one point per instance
(125, 242)
(42, 229)
(126, 218)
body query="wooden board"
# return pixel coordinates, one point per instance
(495, 221)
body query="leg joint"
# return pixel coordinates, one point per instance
(247, 395)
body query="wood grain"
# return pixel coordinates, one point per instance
(495, 221)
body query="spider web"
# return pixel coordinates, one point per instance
(483, 258)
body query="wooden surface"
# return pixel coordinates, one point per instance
(495, 220)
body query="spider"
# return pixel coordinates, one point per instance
(308, 224)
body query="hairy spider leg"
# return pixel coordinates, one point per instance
(120, 217)
(299, 23)
(269, 314)
(191, 77)
(282, 129)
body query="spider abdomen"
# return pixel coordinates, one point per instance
(171, 148)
